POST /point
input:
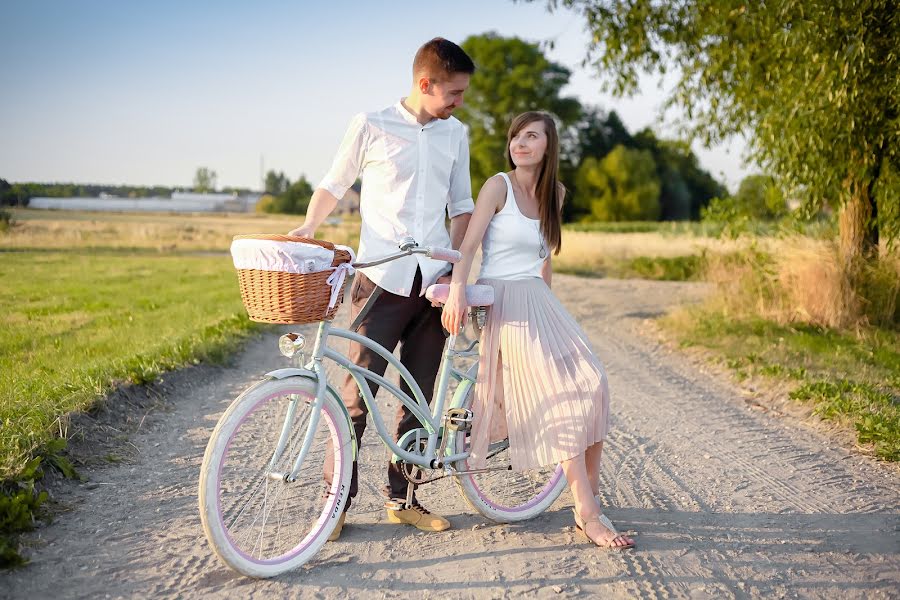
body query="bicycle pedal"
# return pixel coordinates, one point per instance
(459, 419)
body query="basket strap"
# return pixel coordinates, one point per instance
(336, 281)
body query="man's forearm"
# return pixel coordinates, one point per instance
(458, 226)
(320, 206)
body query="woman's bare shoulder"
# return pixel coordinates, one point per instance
(494, 192)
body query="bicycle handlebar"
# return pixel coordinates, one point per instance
(448, 254)
(408, 247)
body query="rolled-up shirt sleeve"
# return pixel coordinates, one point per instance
(348, 160)
(460, 197)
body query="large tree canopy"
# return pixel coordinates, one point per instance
(620, 187)
(513, 76)
(815, 85)
(685, 187)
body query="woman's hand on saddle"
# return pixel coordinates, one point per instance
(455, 311)
(442, 279)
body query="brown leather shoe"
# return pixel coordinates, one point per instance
(419, 517)
(336, 534)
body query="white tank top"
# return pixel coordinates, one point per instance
(513, 243)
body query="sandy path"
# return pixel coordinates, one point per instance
(727, 501)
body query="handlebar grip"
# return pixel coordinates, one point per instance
(451, 256)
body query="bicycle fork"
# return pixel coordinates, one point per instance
(315, 415)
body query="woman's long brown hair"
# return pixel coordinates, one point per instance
(548, 187)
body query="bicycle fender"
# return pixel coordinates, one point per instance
(311, 375)
(291, 372)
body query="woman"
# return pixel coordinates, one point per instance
(539, 382)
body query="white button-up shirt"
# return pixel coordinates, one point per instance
(413, 175)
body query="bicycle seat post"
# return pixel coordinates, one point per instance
(444, 377)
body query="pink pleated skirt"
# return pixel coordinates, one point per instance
(539, 382)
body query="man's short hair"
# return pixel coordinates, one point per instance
(440, 59)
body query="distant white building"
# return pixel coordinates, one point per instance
(179, 202)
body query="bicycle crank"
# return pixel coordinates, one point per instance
(416, 442)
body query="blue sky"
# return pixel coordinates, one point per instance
(143, 93)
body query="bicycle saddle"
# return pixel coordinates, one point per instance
(476, 295)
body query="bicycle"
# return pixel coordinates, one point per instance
(262, 503)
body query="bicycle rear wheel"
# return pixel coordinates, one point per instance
(501, 494)
(259, 524)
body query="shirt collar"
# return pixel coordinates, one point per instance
(411, 118)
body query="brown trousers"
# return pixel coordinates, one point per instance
(414, 324)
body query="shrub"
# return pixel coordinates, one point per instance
(805, 281)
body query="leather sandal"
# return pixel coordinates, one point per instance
(604, 521)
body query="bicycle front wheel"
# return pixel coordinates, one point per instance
(259, 523)
(498, 492)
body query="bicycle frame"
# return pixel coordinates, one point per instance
(418, 406)
(429, 418)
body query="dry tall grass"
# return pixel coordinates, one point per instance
(43, 229)
(592, 251)
(804, 281)
(583, 252)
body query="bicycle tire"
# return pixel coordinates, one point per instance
(240, 496)
(504, 495)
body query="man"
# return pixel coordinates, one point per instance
(414, 161)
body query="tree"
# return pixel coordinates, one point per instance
(685, 187)
(204, 180)
(282, 196)
(512, 76)
(7, 194)
(596, 133)
(298, 196)
(814, 85)
(276, 183)
(623, 186)
(294, 200)
(759, 197)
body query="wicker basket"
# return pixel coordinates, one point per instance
(289, 298)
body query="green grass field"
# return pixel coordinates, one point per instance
(77, 323)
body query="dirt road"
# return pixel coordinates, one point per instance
(726, 501)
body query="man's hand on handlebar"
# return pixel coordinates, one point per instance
(304, 231)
